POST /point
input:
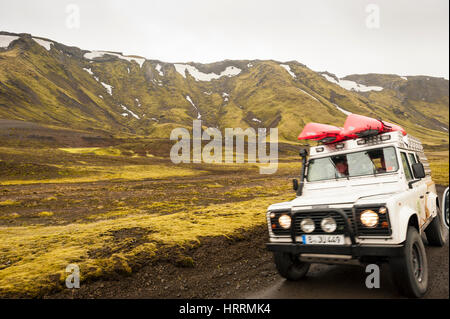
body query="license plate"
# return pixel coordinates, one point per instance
(323, 239)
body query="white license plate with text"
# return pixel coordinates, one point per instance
(323, 239)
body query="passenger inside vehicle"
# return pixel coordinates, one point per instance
(342, 167)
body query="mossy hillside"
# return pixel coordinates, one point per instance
(52, 87)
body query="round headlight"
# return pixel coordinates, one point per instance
(284, 221)
(307, 225)
(369, 218)
(328, 225)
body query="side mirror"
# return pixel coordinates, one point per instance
(303, 152)
(295, 184)
(445, 207)
(418, 170)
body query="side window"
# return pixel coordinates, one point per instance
(412, 158)
(406, 167)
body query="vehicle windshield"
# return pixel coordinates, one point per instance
(368, 162)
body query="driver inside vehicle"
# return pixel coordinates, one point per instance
(341, 167)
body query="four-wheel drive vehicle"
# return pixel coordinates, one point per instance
(364, 201)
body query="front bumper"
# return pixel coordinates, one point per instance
(356, 251)
(353, 249)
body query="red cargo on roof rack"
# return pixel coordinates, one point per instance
(389, 127)
(361, 126)
(322, 133)
(356, 126)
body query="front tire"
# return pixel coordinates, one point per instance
(436, 231)
(410, 271)
(290, 267)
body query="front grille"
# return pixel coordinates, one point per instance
(317, 218)
(382, 229)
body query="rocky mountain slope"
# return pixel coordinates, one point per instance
(47, 82)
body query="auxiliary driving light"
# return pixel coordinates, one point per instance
(307, 225)
(284, 221)
(328, 224)
(382, 210)
(369, 218)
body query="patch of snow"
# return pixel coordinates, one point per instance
(330, 79)
(154, 119)
(342, 110)
(200, 76)
(107, 87)
(225, 97)
(208, 93)
(157, 82)
(444, 128)
(249, 65)
(256, 120)
(43, 43)
(288, 68)
(129, 111)
(404, 78)
(97, 54)
(92, 73)
(199, 116)
(101, 96)
(128, 69)
(5, 40)
(137, 100)
(124, 114)
(88, 71)
(158, 68)
(352, 85)
(309, 95)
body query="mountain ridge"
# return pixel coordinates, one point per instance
(44, 81)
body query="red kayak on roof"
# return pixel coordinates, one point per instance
(361, 126)
(356, 126)
(389, 127)
(321, 132)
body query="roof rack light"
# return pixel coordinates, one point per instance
(320, 149)
(385, 137)
(361, 142)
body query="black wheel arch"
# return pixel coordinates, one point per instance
(414, 222)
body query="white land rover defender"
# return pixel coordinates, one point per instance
(366, 200)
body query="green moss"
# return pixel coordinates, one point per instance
(185, 262)
(45, 251)
(9, 203)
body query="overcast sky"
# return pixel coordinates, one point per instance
(405, 37)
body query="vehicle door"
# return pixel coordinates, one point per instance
(417, 190)
(424, 194)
